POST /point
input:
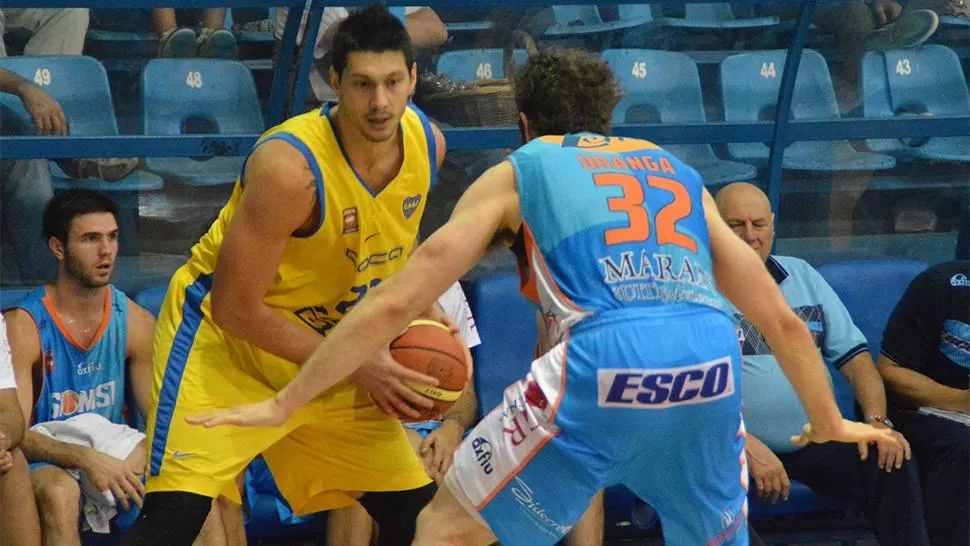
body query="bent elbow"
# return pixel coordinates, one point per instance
(224, 313)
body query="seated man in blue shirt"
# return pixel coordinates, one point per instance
(883, 484)
(925, 362)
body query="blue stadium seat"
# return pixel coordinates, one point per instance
(749, 87)
(182, 96)
(579, 24)
(80, 85)
(476, 64)
(870, 290)
(911, 82)
(10, 296)
(667, 84)
(151, 299)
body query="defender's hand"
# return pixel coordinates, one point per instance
(268, 413)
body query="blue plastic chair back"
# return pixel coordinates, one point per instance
(151, 299)
(507, 325)
(79, 84)
(870, 290)
(218, 91)
(929, 78)
(11, 296)
(750, 83)
(663, 80)
(477, 64)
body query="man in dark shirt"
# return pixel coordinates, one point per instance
(925, 363)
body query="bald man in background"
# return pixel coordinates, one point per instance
(881, 483)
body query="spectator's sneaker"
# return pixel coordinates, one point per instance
(177, 43)
(911, 29)
(111, 169)
(218, 44)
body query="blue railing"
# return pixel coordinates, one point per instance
(780, 133)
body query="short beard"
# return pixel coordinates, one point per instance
(74, 269)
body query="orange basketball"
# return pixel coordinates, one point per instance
(430, 348)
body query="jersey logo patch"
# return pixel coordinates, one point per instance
(350, 220)
(410, 205)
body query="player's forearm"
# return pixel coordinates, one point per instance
(465, 410)
(271, 332)
(792, 345)
(12, 428)
(921, 390)
(382, 316)
(38, 447)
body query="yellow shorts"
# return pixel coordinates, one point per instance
(340, 443)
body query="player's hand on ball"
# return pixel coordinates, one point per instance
(849, 432)
(268, 413)
(386, 382)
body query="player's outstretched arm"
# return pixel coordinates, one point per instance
(487, 210)
(742, 278)
(278, 199)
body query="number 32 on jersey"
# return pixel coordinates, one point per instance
(631, 204)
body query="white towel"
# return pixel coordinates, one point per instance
(951, 415)
(97, 432)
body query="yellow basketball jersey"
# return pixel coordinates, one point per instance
(361, 238)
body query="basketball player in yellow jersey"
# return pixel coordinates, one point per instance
(327, 207)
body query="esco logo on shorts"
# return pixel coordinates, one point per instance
(659, 389)
(483, 452)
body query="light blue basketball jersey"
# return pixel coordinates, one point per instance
(77, 379)
(610, 223)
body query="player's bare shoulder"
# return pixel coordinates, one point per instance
(279, 179)
(23, 336)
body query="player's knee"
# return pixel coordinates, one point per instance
(57, 492)
(433, 528)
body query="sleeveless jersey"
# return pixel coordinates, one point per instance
(609, 223)
(360, 238)
(80, 379)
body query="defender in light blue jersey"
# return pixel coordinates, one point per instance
(624, 252)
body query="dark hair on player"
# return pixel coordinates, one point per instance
(65, 207)
(564, 91)
(372, 29)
